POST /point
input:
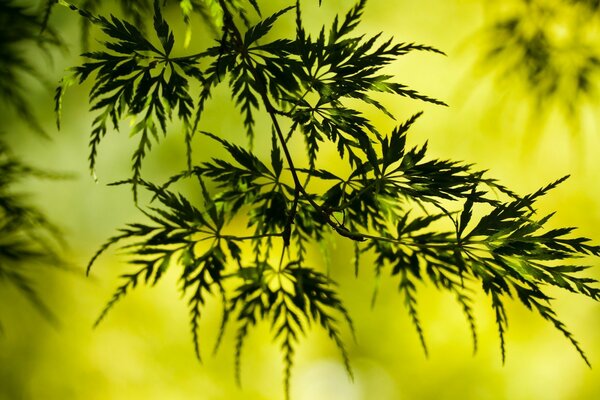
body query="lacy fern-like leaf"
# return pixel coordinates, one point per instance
(289, 298)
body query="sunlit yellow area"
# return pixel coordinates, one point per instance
(525, 134)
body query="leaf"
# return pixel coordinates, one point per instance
(242, 156)
(350, 22)
(466, 214)
(394, 147)
(311, 296)
(276, 160)
(259, 30)
(165, 35)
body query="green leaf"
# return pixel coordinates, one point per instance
(164, 33)
(254, 33)
(276, 160)
(242, 156)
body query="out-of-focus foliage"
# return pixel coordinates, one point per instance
(424, 219)
(547, 50)
(28, 240)
(21, 30)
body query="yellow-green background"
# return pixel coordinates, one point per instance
(143, 350)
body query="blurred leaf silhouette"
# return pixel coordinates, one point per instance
(21, 30)
(546, 52)
(28, 240)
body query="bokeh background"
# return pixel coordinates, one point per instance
(505, 115)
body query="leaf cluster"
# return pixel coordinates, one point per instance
(289, 297)
(424, 219)
(134, 78)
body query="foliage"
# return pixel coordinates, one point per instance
(424, 219)
(21, 29)
(549, 47)
(28, 240)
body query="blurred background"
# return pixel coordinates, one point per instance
(521, 80)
